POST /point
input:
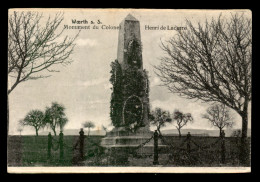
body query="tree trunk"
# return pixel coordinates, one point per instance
(36, 132)
(244, 152)
(179, 130)
(54, 131)
(220, 131)
(88, 131)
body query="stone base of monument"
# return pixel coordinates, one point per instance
(121, 141)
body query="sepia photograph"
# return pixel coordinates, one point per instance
(129, 91)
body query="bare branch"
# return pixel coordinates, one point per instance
(33, 48)
(219, 116)
(181, 119)
(210, 62)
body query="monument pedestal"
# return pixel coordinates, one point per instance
(121, 140)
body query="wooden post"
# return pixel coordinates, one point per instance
(81, 144)
(61, 146)
(155, 155)
(49, 145)
(188, 142)
(223, 148)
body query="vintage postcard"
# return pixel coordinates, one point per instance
(129, 91)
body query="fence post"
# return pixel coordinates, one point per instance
(61, 146)
(49, 145)
(155, 156)
(223, 147)
(188, 142)
(81, 144)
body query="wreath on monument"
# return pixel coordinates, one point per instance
(132, 113)
(135, 87)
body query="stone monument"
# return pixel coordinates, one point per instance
(132, 128)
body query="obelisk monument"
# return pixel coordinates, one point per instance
(131, 125)
(129, 56)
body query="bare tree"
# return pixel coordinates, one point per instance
(212, 62)
(159, 118)
(105, 129)
(181, 120)
(35, 46)
(34, 118)
(89, 125)
(20, 127)
(219, 116)
(55, 117)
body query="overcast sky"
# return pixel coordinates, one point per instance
(84, 88)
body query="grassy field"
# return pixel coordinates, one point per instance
(32, 151)
(205, 151)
